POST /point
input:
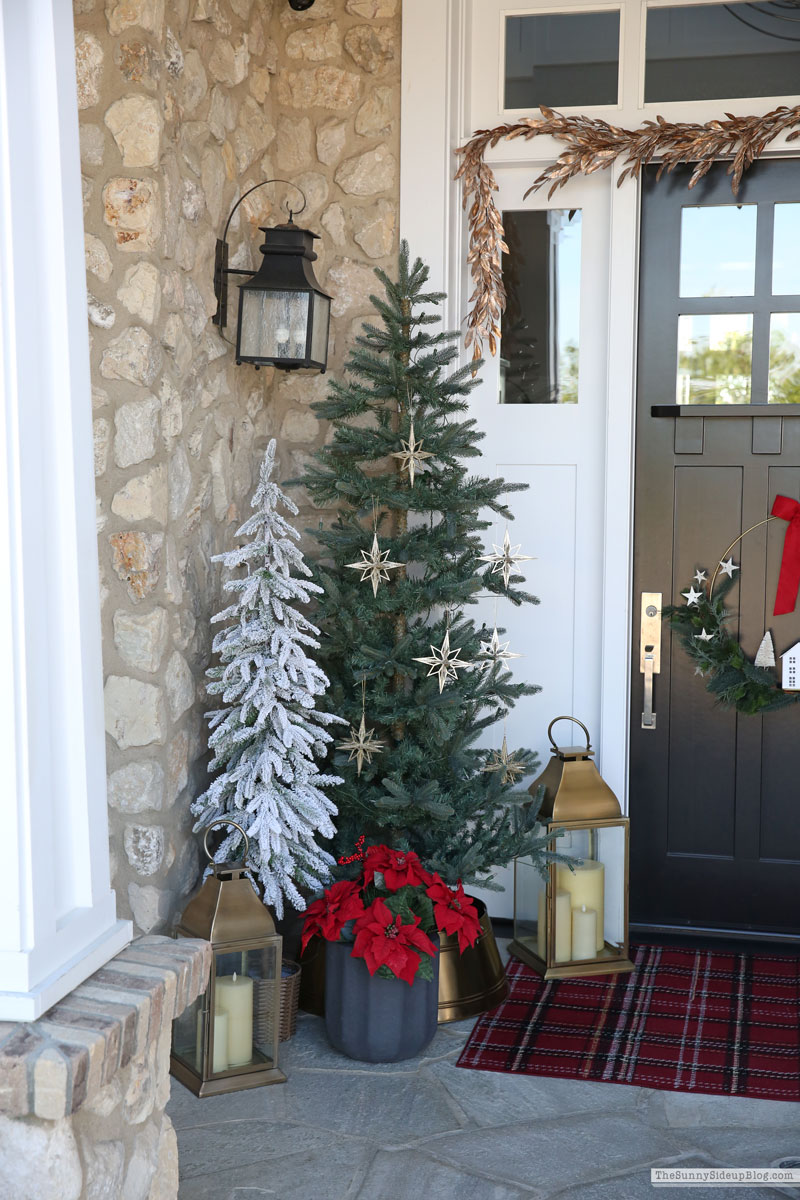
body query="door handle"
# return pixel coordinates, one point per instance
(650, 652)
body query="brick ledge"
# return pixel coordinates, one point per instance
(52, 1066)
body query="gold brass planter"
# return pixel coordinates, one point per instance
(469, 984)
(475, 981)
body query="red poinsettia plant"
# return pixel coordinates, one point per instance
(390, 913)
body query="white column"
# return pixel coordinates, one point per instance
(58, 919)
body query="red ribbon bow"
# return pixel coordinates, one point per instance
(789, 578)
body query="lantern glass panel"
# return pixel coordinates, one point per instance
(188, 1031)
(245, 1002)
(273, 324)
(319, 336)
(597, 884)
(530, 913)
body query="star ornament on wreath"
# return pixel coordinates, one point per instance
(749, 686)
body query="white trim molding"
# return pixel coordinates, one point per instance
(58, 919)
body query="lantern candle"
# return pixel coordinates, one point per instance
(586, 886)
(234, 996)
(220, 1060)
(584, 932)
(563, 927)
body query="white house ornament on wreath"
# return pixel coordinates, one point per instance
(790, 669)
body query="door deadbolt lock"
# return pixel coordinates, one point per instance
(650, 652)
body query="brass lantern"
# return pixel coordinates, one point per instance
(228, 1039)
(575, 921)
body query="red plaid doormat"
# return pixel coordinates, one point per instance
(683, 1020)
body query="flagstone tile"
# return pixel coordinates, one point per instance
(330, 1173)
(753, 1147)
(234, 1145)
(388, 1108)
(548, 1155)
(409, 1175)
(688, 1109)
(491, 1098)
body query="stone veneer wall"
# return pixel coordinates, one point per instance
(83, 1089)
(182, 106)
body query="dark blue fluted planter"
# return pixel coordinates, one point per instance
(374, 1019)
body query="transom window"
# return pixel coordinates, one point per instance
(691, 52)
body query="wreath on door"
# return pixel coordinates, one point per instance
(750, 686)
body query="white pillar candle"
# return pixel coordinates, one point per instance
(541, 926)
(584, 932)
(234, 996)
(563, 927)
(220, 1060)
(586, 885)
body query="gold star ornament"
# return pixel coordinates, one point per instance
(412, 455)
(362, 744)
(507, 765)
(444, 662)
(375, 565)
(505, 558)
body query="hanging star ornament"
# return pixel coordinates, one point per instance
(507, 765)
(700, 577)
(505, 558)
(495, 652)
(704, 637)
(362, 744)
(444, 662)
(412, 456)
(375, 565)
(727, 567)
(691, 596)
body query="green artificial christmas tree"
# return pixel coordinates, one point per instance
(417, 680)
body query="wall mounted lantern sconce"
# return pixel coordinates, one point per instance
(284, 315)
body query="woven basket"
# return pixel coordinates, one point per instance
(290, 993)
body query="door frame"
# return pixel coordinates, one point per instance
(436, 116)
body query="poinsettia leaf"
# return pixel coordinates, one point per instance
(425, 968)
(422, 906)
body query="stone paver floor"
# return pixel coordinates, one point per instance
(427, 1130)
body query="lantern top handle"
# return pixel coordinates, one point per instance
(233, 825)
(292, 212)
(568, 750)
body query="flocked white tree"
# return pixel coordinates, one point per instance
(267, 736)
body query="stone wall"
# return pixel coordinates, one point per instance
(182, 107)
(83, 1090)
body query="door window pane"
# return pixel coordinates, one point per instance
(784, 358)
(715, 354)
(718, 250)
(786, 251)
(717, 51)
(562, 59)
(541, 324)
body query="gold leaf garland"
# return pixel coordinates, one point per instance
(592, 145)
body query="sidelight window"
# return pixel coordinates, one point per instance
(540, 332)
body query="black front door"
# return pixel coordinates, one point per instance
(715, 796)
